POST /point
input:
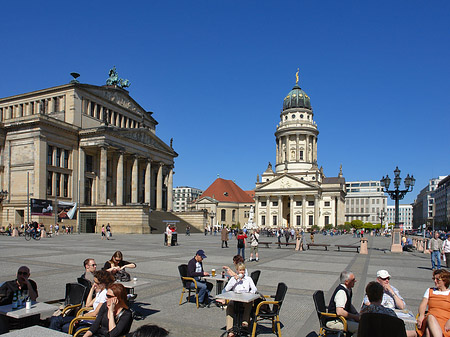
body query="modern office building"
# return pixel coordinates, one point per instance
(225, 203)
(297, 193)
(184, 195)
(93, 146)
(442, 204)
(405, 215)
(423, 206)
(365, 200)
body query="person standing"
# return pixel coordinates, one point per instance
(188, 230)
(169, 235)
(224, 236)
(241, 243)
(254, 242)
(103, 232)
(108, 231)
(446, 250)
(435, 248)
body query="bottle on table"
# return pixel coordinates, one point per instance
(15, 301)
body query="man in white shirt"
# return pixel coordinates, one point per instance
(391, 296)
(254, 237)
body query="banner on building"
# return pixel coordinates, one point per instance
(41, 207)
(67, 210)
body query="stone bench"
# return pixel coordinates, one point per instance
(318, 245)
(347, 246)
(265, 243)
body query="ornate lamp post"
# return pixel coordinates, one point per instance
(382, 215)
(397, 194)
(212, 215)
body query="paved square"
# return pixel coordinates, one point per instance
(56, 261)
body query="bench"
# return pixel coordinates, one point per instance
(347, 246)
(265, 243)
(318, 245)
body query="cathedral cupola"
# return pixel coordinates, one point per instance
(296, 98)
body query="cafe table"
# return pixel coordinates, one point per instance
(37, 308)
(218, 280)
(36, 331)
(133, 283)
(408, 318)
(238, 299)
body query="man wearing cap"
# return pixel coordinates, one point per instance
(391, 296)
(195, 270)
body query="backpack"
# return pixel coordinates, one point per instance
(241, 243)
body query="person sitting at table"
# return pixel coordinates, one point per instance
(391, 296)
(239, 284)
(114, 318)
(116, 264)
(437, 321)
(96, 297)
(22, 283)
(90, 267)
(195, 270)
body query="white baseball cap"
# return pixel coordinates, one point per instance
(383, 274)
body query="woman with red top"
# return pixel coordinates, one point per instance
(241, 243)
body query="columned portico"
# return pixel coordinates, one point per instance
(291, 210)
(103, 171)
(316, 210)
(119, 182)
(280, 211)
(134, 180)
(170, 191)
(148, 177)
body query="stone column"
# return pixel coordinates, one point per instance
(316, 210)
(257, 218)
(280, 151)
(148, 185)
(103, 170)
(291, 210)
(306, 154)
(268, 219)
(280, 211)
(81, 178)
(170, 191)
(159, 183)
(134, 180)
(304, 223)
(297, 148)
(28, 109)
(51, 105)
(119, 181)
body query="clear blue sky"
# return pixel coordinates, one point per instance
(215, 74)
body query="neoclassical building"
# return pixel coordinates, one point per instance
(297, 193)
(90, 145)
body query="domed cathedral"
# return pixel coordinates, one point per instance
(298, 194)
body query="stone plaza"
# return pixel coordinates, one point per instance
(58, 260)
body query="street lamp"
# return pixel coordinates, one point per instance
(212, 215)
(382, 215)
(397, 194)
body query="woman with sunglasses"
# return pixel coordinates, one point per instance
(437, 321)
(114, 318)
(117, 263)
(97, 296)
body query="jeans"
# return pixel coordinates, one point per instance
(436, 254)
(203, 290)
(60, 323)
(243, 252)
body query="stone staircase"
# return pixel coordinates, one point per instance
(158, 226)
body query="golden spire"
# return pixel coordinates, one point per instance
(296, 76)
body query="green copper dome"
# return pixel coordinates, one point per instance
(296, 98)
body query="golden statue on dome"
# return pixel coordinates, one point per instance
(296, 76)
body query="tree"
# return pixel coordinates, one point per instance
(357, 224)
(328, 227)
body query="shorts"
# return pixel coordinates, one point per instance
(253, 249)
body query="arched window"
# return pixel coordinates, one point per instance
(222, 215)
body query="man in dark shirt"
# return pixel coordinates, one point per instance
(90, 267)
(195, 270)
(21, 283)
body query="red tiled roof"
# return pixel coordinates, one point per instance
(226, 190)
(251, 194)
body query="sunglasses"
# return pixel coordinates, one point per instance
(436, 279)
(386, 278)
(92, 265)
(24, 273)
(110, 296)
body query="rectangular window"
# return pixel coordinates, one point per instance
(89, 163)
(362, 210)
(58, 157)
(263, 220)
(298, 203)
(58, 184)
(311, 220)
(299, 220)
(49, 155)
(301, 155)
(327, 220)
(49, 183)
(66, 158)
(66, 186)
(327, 204)
(373, 201)
(263, 204)
(310, 203)
(357, 201)
(378, 201)
(275, 203)
(274, 219)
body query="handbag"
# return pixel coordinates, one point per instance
(122, 276)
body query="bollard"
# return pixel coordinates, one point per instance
(396, 246)
(15, 232)
(363, 246)
(43, 233)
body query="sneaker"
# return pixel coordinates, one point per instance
(257, 260)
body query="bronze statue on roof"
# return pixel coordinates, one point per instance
(115, 80)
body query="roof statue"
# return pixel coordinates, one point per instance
(115, 80)
(340, 172)
(296, 76)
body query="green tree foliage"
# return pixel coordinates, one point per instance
(328, 227)
(357, 224)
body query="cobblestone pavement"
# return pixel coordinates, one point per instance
(56, 261)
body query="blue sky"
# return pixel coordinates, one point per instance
(215, 74)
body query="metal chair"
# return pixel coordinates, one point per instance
(273, 313)
(186, 281)
(255, 276)
(87, 284)
(324, 316)
(74, 298)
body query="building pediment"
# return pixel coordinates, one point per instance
(118, 96)
(145, 137)
(286, 182)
